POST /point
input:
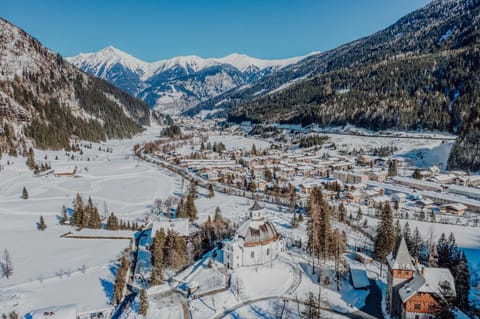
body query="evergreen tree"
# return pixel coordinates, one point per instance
(359, 214)
(41, 224)
(462, 283)
(24, 193)
(94, 220)
(311, 310)
(398, 230)
(7, 265)
(143, 303)
(268, 175)
(443, 251)
(112, 222)
(217, 219)
(341, 212)
(181, 210)
(120, 280)
(30, 159)
(385, 238)
(157, 255)
(64, 218)
(77, 211)
(393, 168)
(407, 235)
(416, 244)
(211, 192)
(421, 215)
(191, 209)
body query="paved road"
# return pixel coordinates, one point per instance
(373, 303)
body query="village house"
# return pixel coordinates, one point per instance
(414, 291)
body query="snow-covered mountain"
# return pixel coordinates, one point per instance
(45, 99)
(176, 84)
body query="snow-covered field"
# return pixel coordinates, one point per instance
(49, 270)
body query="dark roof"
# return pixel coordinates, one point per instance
(256, 206)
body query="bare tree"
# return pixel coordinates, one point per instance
(7, 266)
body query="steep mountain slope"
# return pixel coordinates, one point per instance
(441, 25)
(179, 83)
(420, 73)
(48, 100)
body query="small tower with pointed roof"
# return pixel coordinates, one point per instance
(256, 211)
(400, 270)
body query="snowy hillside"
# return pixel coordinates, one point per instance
(46, 99)
(178, 83)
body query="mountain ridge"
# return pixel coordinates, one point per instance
(47, 100)
(180, 82)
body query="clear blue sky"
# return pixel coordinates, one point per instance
(153, 30)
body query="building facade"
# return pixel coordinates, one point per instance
(256, 242)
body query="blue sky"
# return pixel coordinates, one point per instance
(153, 30)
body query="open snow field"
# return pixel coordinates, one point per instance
(47, 268)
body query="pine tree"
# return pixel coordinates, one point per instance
(120, 280)
(7, 265)
(64, 218)
(393, 168)
(157, 255)
(341, 212)
(24, 193)
(77, 211)
(181, 211)
(416, 244)
(462, 283)
(30, 159)
(443, 251)
(407, 235)
(211, 192)
(94, 221)
(218, 219)
(398, 230)
(359, 214)
(311, 310)
(421, 215)
(41, 224)
(112, 222)
(385, 238)
(191, 209)
(143, 303)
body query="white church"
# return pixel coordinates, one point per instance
(256, 242)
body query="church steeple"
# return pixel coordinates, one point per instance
(256, 211)
(400, 258)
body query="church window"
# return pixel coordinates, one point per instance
(252, 255)
(268, 251)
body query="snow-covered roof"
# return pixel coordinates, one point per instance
(55, 312)
(359, 277)
(400, 258)
(256, 232)
(256, 206)
(428, 282)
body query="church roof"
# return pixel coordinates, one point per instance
(257, 232)
(256, 206)
(400, 258)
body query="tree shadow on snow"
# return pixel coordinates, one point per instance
(108, 288)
